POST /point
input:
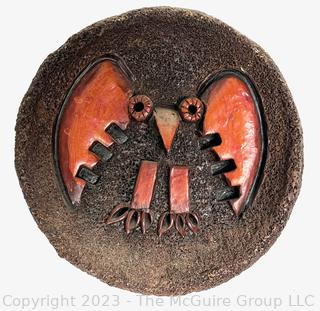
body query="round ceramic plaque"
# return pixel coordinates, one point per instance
(159, 151)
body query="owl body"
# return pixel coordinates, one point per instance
(98, 110)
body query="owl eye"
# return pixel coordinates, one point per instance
(191, 109)
(140, 107)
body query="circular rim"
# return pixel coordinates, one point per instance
(35, 111)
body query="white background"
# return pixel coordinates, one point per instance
(29, 265)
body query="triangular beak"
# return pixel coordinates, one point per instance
(167, 121)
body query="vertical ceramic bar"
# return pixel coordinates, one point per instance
(179, 189)
(144, 186)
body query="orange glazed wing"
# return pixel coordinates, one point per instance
(233, 111)
(92, 117)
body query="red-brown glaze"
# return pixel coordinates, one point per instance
(144, 186)
(192, 102)
(179, 189)
(146, 110)
(100, 98)
(232, 113)
(167, 122)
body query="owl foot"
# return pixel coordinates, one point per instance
(137, 213)
(179, 215)
(181, 222)
(131, 217)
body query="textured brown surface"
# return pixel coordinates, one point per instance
(170, 52)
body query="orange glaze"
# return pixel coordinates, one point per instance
(143, 189)
(100, 98)
(179, 189)
(231, 112)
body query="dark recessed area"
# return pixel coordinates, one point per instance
(138, 107)
(192, 109)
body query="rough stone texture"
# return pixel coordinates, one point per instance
(170, 52)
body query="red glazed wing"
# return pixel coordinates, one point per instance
(97, 101)
(233, 111)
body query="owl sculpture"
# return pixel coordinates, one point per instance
(159, 151)
(102, 107)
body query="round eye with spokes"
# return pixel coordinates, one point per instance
(140, 107)
(191, 109)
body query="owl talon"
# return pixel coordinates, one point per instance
(180, 224)
(132, 218)
(180, 221)
(166, 222)
(118, 214)
(146, 219)
(192, 221)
